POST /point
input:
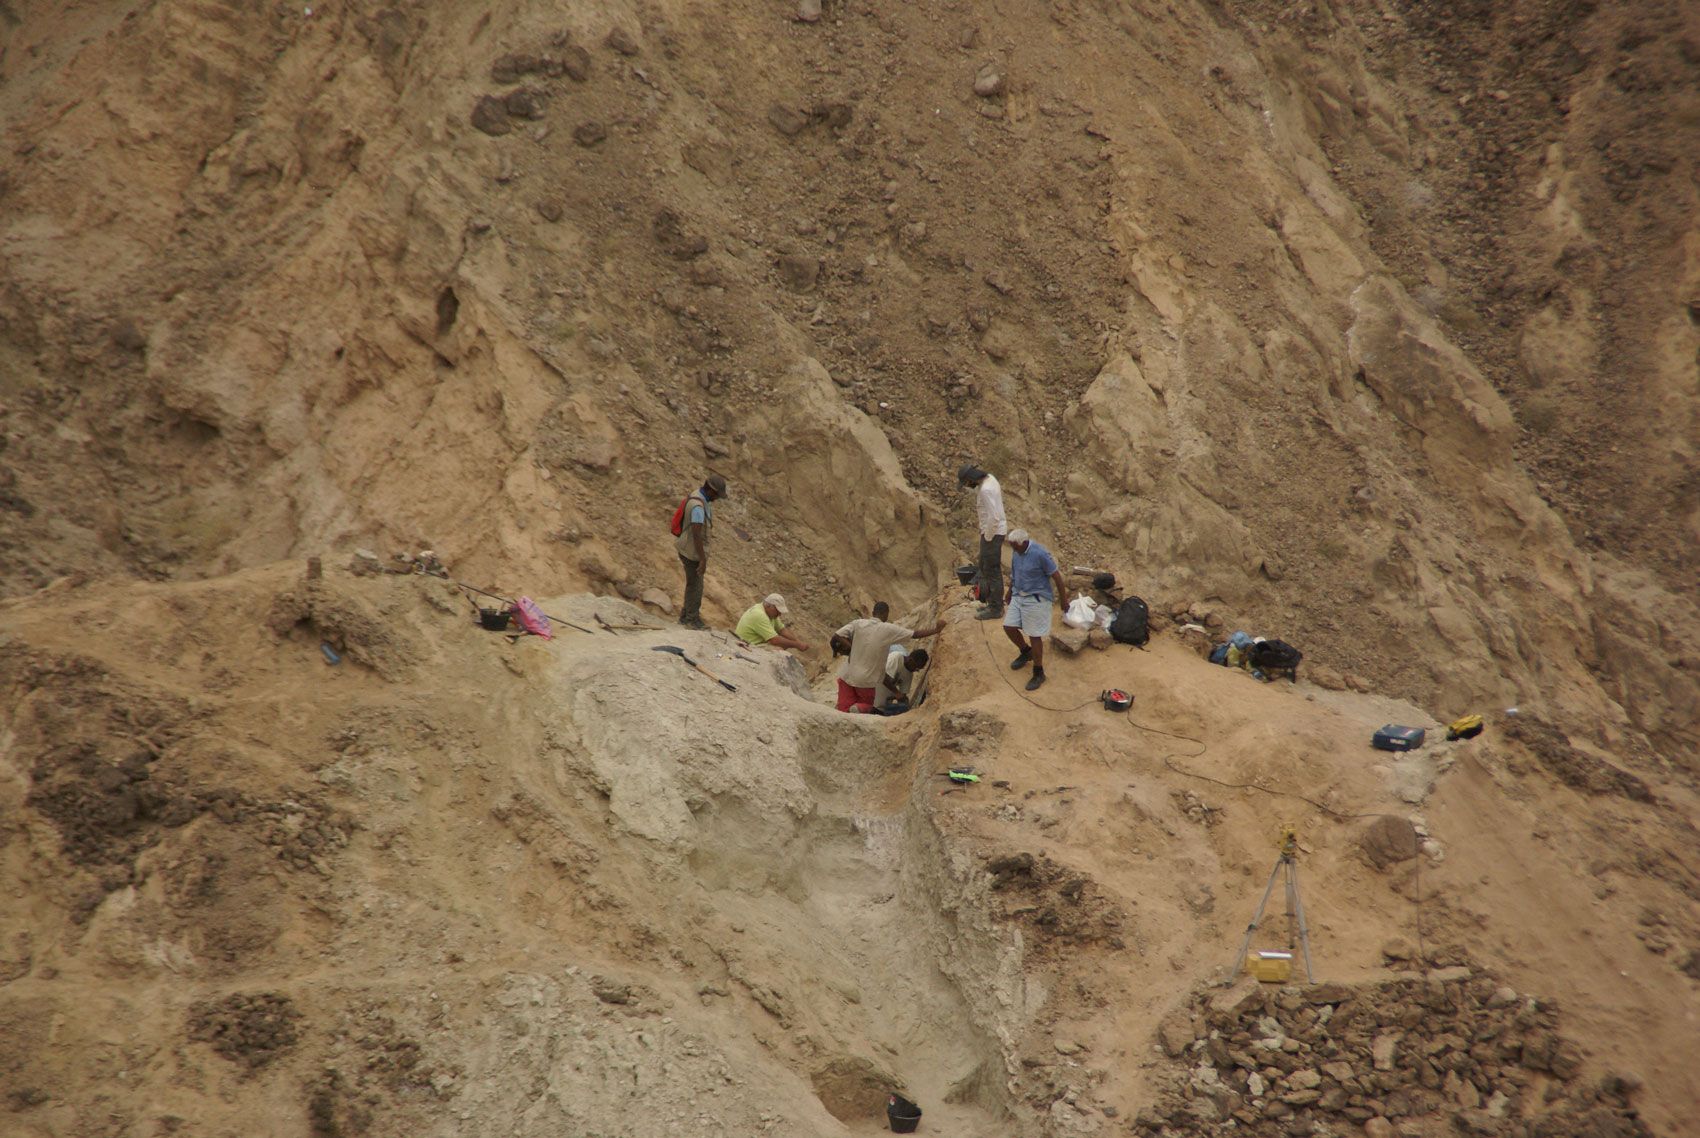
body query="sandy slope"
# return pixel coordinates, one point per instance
(454, 884)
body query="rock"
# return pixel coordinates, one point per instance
(989, 83)
(1325, 677)
(612, 991)
(596, 454)
(1070, 640)
(1398, 949)
(715, 448)
(490, 115)
(657, 599)
(128, 336)
(621, 41)
(1449, 975)
(1382, 1049)
(524, 103)
(589, 133)
(1175, 1033)
(798, 272)
(1304, 1080)
(1338, 1071)
(786, 120)
(511, 67)
(1378, 1128)
(1329, 993)
(595, 569)
(1503, 997)
(575, 63)
(1067, 1047)
(1099, 638)
(549, 209)
(1389, 840)
(808, 11)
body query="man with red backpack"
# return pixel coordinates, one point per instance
(691, 524)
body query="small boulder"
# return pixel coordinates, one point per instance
(575, 63)
(798, 272)
(787, 120)
(1070, 640)
(1389, 840)
(524, 103)
(1175, 1033)
(490, 115)
(808, 11)
(990, 82)
(589, 133)
(621, 41)
(511, 67)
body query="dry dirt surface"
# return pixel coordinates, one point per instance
(1375, 327)
(457, 884)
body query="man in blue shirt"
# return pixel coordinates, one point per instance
(1028, 600)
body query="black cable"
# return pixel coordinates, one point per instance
(1016, 688)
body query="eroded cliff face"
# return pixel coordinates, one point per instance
(1369, 325)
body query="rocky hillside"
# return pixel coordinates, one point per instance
(1372, 326)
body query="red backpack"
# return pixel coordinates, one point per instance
(678, 526)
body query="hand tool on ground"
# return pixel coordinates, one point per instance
(680, 653)
(626, 627)
(510, 600)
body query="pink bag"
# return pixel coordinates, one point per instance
(531, 618)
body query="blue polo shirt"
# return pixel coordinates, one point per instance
(1030, 572)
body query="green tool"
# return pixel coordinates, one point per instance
(961, 774)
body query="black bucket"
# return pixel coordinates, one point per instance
(903, 1115)
(495, 620)
(966, 573)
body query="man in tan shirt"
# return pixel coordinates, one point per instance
(864, 664)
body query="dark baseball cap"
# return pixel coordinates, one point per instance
(969, 474)
(717, 484)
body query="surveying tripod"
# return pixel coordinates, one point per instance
(1296, 927)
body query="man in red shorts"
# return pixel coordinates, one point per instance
(863, 644)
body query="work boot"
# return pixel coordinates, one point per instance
(1022, 660)
(987, 612)
(1037, 681)
(693, 622)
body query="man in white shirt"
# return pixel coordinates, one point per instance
(993, 526)
(901, 666)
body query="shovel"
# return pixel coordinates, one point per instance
(680, 653)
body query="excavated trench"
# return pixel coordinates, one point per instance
(933, 982)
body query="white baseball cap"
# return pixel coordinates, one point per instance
(1017, 536)
(777, 602)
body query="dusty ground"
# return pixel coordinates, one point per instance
(1369, 326)
(456, 884)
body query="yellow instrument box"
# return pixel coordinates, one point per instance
(1270, 967)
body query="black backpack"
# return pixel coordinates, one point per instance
(1275, 655)
(1132, 624)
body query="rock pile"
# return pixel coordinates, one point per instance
(1454, 1052)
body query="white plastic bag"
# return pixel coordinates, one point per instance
(1106, 617)
(1082, 613)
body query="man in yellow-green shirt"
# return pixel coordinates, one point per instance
(761, 624)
